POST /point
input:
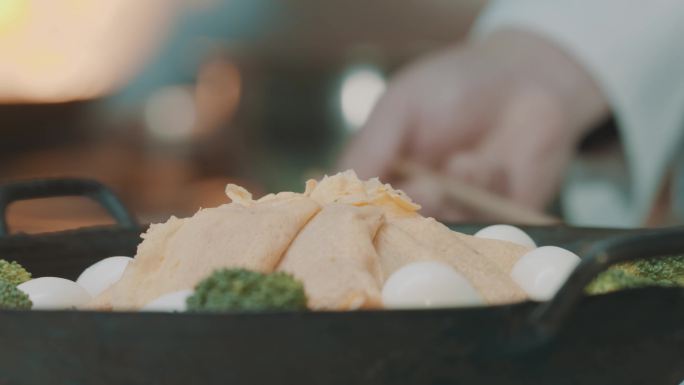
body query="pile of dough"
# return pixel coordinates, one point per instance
(342, 237)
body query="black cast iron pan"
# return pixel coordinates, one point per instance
(629, 337)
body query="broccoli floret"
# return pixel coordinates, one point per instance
(617, 278)
(13, 272)
(667, 271)
(13, 298)
(240, 289)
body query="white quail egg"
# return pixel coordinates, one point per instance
(428, 284)
(102, 274)
(54, 293)
(506, 233)
(170, 302)
(542, 271)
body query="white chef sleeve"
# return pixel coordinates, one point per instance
(635, 51)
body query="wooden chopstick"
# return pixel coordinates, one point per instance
(477, 199)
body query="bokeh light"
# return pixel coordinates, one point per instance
(12, 14)
(170, 114)
(217, 95)
(65, 50)
(361, 88)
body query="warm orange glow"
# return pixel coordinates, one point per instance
(176, 114)
(61, 50)
(217, 94)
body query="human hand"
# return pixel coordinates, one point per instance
(503, 114)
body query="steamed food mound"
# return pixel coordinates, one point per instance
(342, 238)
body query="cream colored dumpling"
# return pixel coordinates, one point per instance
(334, 258)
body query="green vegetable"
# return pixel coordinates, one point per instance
(13, 272)
(240, 289)
(667, 271)
(13, 298)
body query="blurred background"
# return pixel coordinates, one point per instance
(166, 101)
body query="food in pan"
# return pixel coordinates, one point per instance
(55, 293)
(507, 233)
(428, 284)
(342, 238)
(542, 271)
(666, 271)
(13, 273)
(172, 302)
(98, 277)
(342, 244)
(177, 254)
(13, 298)
(241, 289)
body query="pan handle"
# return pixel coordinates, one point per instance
(51, 188)
(549, 316)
